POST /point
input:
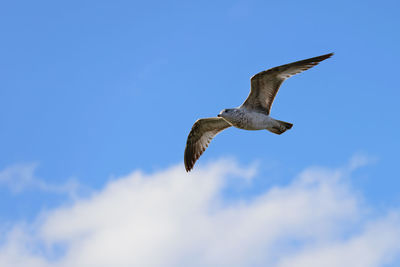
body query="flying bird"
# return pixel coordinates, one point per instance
(253, 114)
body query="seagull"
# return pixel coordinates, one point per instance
(253, 114)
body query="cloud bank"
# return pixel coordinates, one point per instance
(170, 218)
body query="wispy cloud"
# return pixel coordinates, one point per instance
(20, 177)
(170, 218)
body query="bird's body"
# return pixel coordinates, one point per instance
(245, 119)
(253, 114)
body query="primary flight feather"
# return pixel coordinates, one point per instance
(253, 114)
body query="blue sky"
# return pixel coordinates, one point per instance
(93, 90)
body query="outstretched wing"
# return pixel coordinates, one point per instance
(265, 85)
(203, 131)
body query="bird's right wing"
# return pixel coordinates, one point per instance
(203, 131)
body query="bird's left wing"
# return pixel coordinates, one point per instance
(265, 85)
(203, 131)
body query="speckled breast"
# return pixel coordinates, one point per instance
(250, 120)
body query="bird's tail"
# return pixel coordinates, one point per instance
(280, 127)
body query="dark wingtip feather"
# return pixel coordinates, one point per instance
(318, 59)
(187, 160)
(323, 57)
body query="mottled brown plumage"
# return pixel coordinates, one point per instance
(265, 85)
(203, 131)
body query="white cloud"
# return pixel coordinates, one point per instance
(20, 177)
(170, 218)
(377, 244)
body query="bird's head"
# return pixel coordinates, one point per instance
(225, 113)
